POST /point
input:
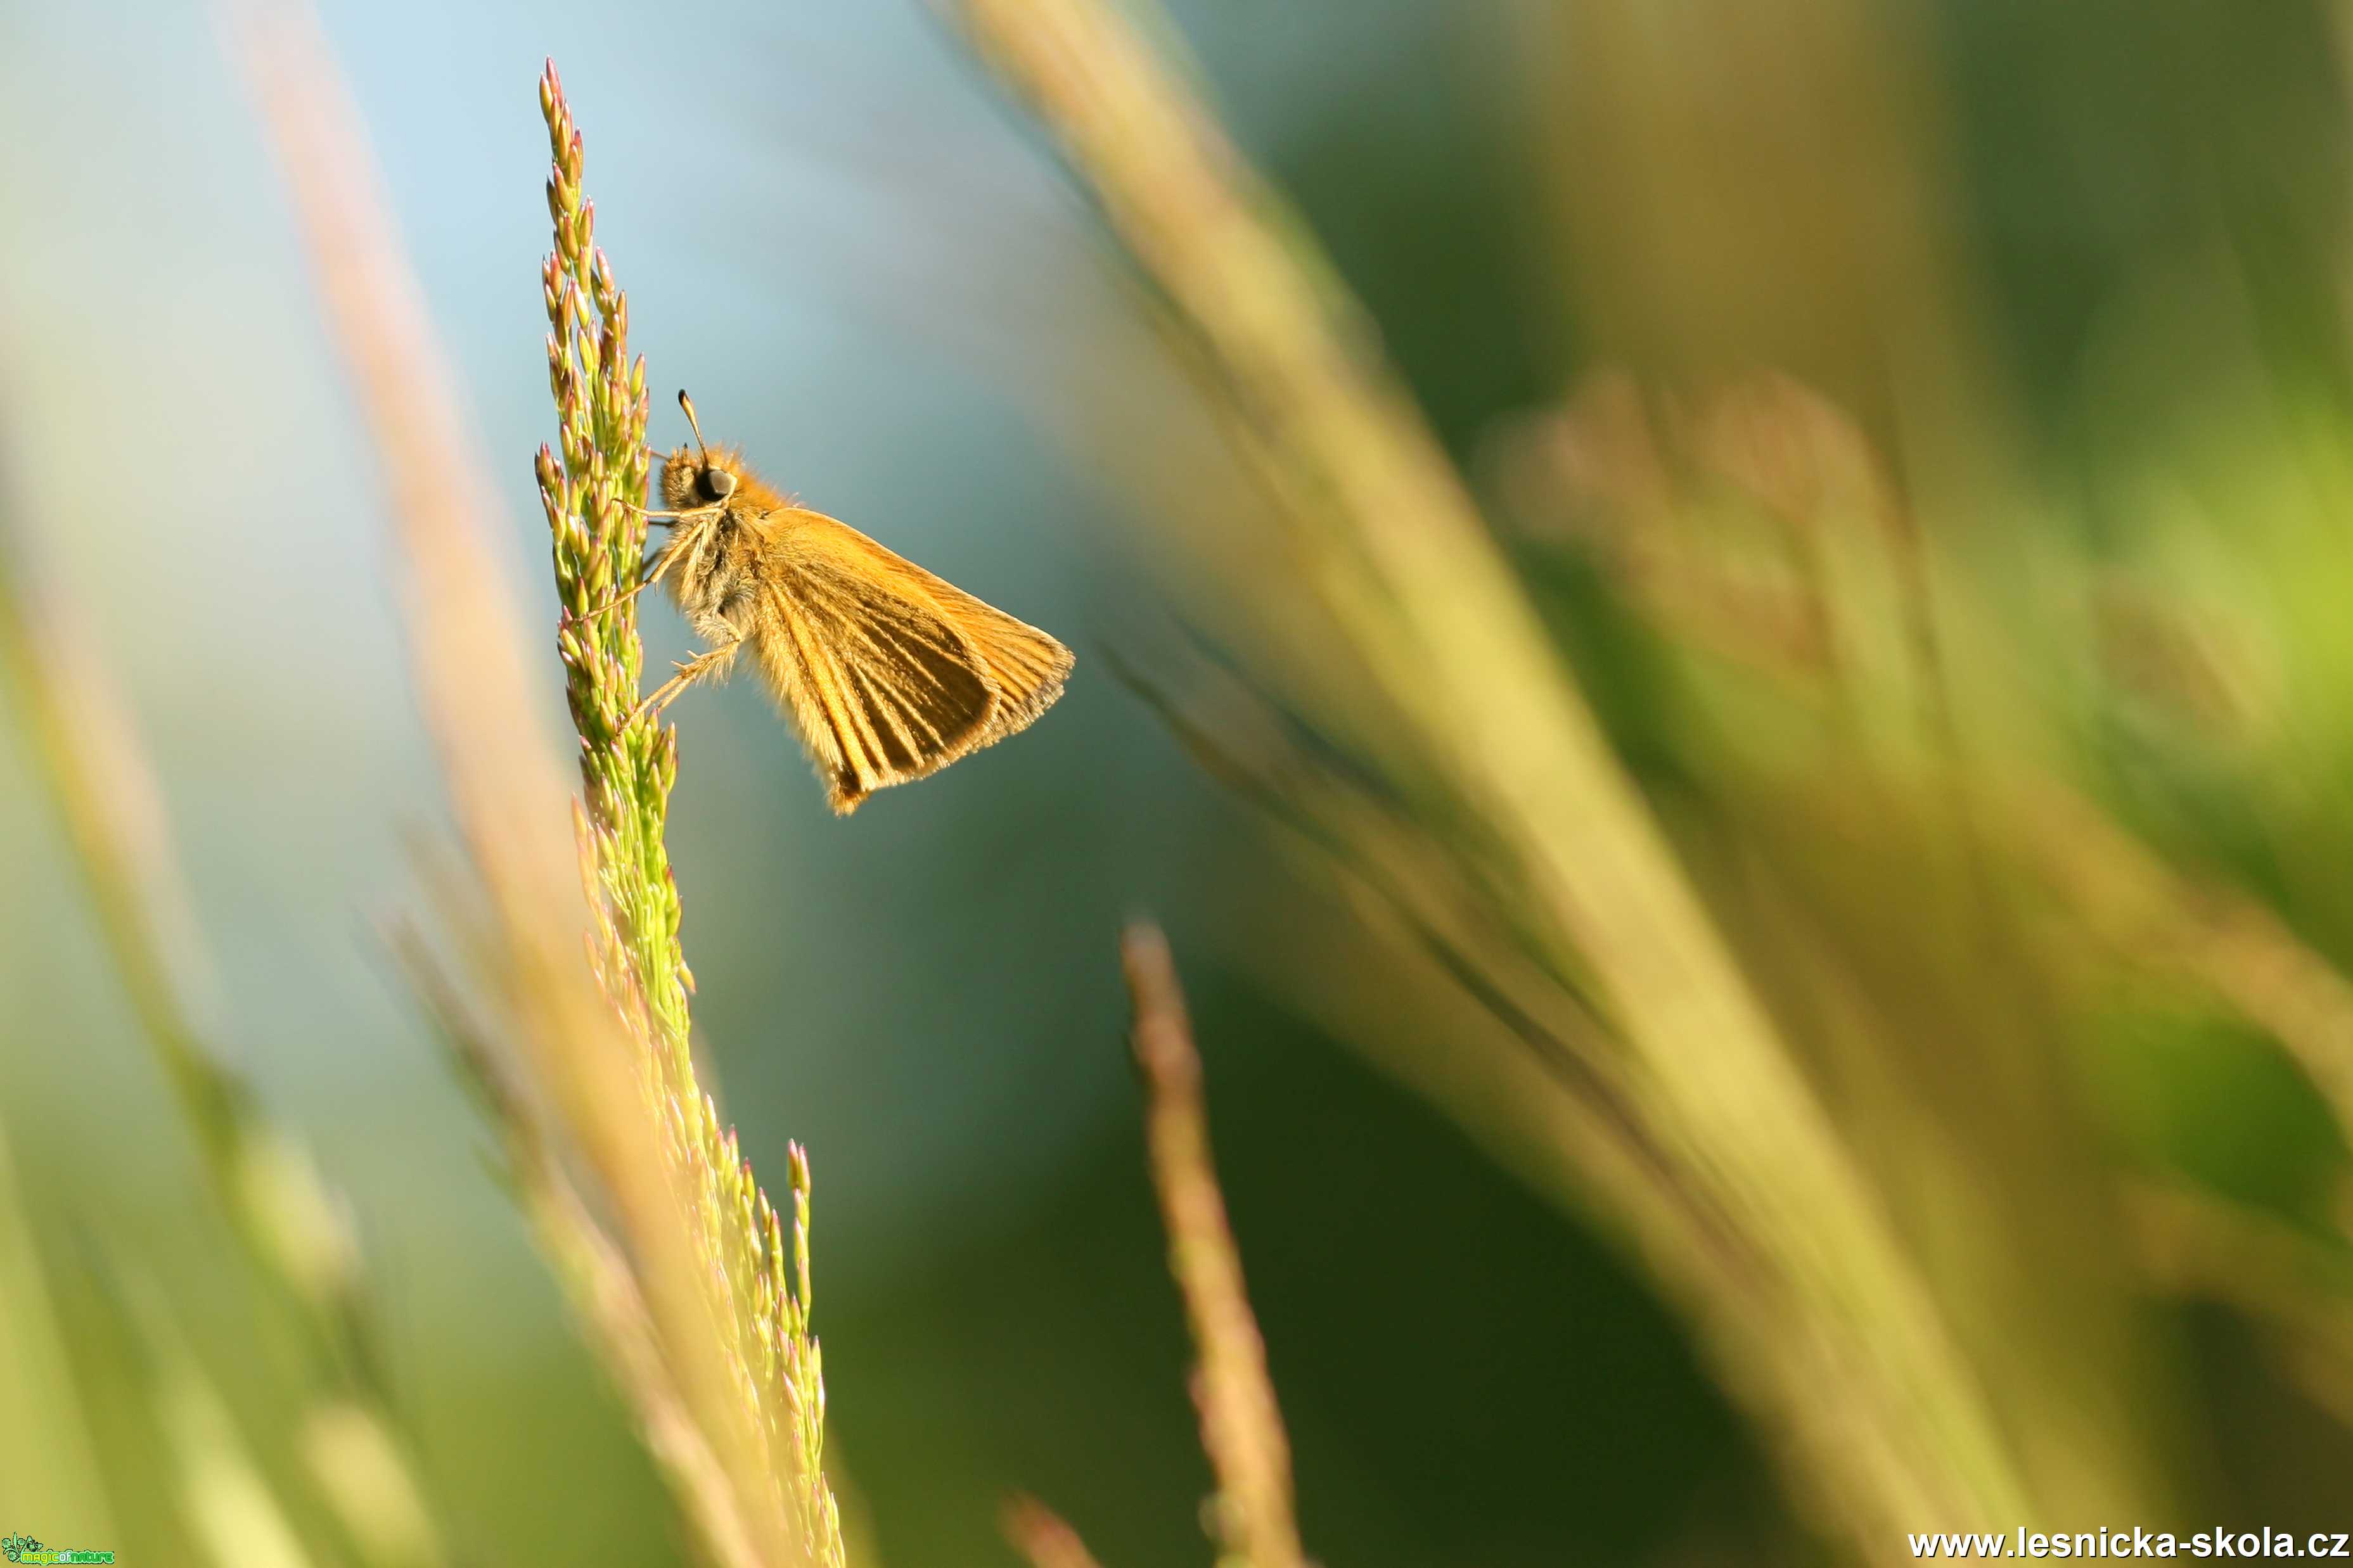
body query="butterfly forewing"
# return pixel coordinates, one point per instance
(891, 673)
(1025, 666)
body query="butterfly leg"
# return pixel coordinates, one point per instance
(614, 602)
(649, 572)
(701, 667)
(668, 516)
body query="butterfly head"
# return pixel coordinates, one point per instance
(692, 480)
(702, 477)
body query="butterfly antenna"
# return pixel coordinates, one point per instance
(694, 424)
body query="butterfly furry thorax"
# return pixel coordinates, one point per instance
(889, 672)
(718, 546)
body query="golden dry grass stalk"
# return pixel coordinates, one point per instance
(1242, 1428)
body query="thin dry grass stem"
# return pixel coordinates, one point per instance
(1241, 1428)
(601, 1045)
(294, 1228)
(1042, 1536)
(1892, 1426)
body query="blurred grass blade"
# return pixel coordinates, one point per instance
(230, 1507)
(48, 1465)
(1889, 1421)
(105, 793)
(293, 1225)
(2229, 945)
(2296, 1288)
(365, 1478)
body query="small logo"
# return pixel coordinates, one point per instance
(25, 1549)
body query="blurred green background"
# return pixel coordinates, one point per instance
(871, 275)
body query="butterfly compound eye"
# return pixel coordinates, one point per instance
(718, 483)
